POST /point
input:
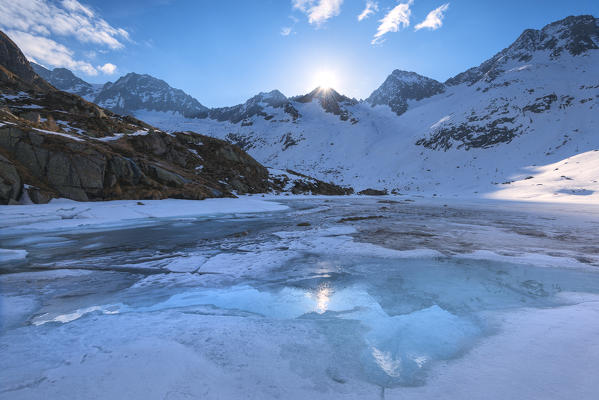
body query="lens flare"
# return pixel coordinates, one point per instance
(325, 79)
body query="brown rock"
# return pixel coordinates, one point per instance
(11, 185)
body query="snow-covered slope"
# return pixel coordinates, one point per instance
(574, 179)
(535, 103)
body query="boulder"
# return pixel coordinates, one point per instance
(373, 192)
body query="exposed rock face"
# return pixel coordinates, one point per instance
(296, 183)
(14, 60)
(401, 86)
(63, 79)
(472, 136)
(143, 92)
(15, 71)
(373, 192)
(150, 166)
(10, 182)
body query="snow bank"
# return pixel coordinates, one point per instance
(67, 214)
(571, 180)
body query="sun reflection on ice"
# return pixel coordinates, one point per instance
(322, 297)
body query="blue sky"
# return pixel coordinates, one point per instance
(223, 52)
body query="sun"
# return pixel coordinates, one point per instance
(325, 79)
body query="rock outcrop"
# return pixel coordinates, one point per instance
(149, 166)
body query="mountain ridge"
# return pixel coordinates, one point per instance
(532, 103)
(65, 80)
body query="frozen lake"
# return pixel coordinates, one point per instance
(343, 297)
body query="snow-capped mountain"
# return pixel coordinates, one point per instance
(535, 103)
(401, 87)
(130, 94)
(63, 79)
(331, 102)
(134, 92)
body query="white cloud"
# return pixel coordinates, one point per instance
(318, 11)
(48, 52)
(399, 15)
(37, 25)
(434, 19)
(64, 18)
(371, 8)
(107, 68)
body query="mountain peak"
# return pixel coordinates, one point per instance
(406, 75)
(576, 34)
(571, 36)
(322, 93)
(255, 106)
(274, 98)
(275, 93)
(330, 100)
(401, 86)
(63, 79)
(134, 92)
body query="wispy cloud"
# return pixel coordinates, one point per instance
(65, 18)
(318, 11)
(434, 19)
(288, 30)
(35, 23)
(398, 16)
(371, 8)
